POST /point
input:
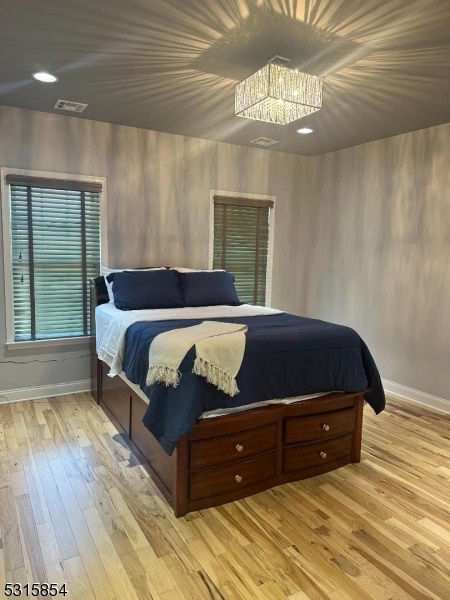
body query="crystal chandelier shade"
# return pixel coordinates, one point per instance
(276, 94)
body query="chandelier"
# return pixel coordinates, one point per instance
(277, 94)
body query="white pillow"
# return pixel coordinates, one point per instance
(106, 270)
(187, 270)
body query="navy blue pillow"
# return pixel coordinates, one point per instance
(135, 290)
(208, 288)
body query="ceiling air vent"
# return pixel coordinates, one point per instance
(70, 106)
(263, 141)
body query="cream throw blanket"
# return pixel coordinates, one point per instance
(219, 347)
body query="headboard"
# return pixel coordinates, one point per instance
(99, 293)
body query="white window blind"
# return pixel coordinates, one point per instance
(55, 248)
(241, 244)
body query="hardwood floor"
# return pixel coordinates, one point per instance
(77, 507)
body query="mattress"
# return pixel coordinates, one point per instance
(286, 357)
(113, 323)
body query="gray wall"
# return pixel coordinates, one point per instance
(362, 236)
(373, 251)
(158, 194)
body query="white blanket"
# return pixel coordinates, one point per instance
(219, 352)
(112, 324)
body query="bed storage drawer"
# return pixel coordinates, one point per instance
(302, 456)
(228, 448)
(320, 426)
(222, 480)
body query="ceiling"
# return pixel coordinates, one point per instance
(172, 65)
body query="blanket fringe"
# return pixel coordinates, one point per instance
(216, 376)
(165, 375)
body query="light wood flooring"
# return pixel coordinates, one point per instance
(76, 506)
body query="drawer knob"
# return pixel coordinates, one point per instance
(325, 427)
(323, 454)
(238, 478)
(239, 447)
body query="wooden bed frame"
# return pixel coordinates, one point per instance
(231, 457)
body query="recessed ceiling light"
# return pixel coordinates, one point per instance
(45, 77)
(305, 130)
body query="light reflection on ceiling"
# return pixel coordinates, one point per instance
(173, 65)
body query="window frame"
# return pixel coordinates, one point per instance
(7, 255)
(248, 196)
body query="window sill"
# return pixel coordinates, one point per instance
(55, 342)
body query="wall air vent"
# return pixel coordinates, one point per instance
(263, 141)
(70, 106)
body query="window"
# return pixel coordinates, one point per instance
(241, 243)
(54, 248)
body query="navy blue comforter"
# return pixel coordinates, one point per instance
(285, 356)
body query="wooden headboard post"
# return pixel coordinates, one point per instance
(99, 295)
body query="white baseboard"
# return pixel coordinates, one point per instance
(46, 391)
(61, 389)
(405, 393)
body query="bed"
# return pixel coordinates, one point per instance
(204, 447)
